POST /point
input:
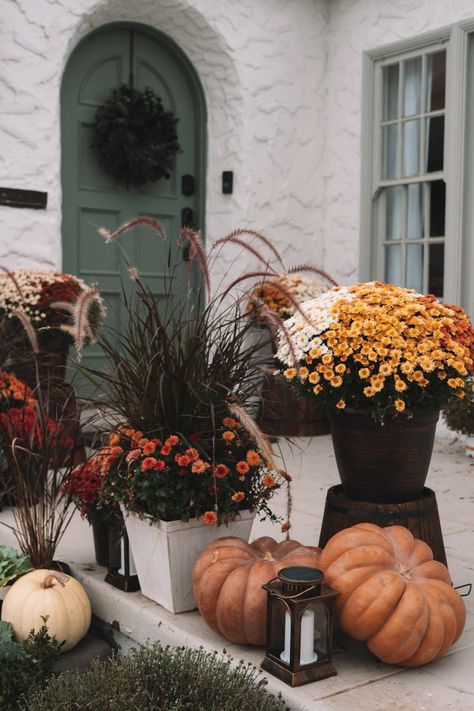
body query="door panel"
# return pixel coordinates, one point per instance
(92, 199)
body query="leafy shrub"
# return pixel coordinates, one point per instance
(154, 678)
(25, 667)
(12, 565)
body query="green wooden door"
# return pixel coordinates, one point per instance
(91, 198)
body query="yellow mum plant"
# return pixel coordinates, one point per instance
(380, 347)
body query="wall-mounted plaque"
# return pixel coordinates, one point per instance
(15, 197)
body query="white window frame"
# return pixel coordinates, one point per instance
(459, 254)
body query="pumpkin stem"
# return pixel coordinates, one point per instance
(49, 579)
(268, 556)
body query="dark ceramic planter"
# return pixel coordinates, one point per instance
(383, 463)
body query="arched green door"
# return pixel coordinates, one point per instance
(105, 59)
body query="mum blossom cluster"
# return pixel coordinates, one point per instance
(380, 347)
(47, 299)
(180, 478)
(299, 286)
(14, 392)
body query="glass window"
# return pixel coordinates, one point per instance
(411, 195)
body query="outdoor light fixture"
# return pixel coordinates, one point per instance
(299, 626)
(121, 571)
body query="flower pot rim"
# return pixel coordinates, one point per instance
(178, 525)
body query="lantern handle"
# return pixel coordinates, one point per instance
(466, 585)
(291, 597)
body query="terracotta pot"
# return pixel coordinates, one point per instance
(383, 463)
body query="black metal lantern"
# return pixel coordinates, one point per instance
(299, 626)
(121, 571)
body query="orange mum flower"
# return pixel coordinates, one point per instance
(199, 467)
(114, 439)
(268, 481)
(221, 471)
(172, 441)
(228, 436)
(242, 467)
(238, 496)
(210, 518)
(165, 450)
(253, 458)
(182, 460)
(152, 464)
(149, 448)
(193, 454)
(230, 422)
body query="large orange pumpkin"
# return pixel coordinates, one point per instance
(393, 595)
(228, 578)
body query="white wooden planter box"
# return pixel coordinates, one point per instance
(165, 554)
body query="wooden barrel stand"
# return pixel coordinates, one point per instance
(420, 516)
(284, 413)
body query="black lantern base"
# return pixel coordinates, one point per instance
(126, 583)
(304, 676)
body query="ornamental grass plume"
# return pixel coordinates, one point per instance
(379, 347)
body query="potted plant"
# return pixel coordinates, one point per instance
(85, 486)
(51, 304)
(284, 410)
(459, 416)
(38, 451)
(186, 455)
(383, 360)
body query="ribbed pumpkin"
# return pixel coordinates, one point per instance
(393, 595)
(45, 592)
(228, 578)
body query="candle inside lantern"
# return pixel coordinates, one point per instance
(131, 562)
(307, 653)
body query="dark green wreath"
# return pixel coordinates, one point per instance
(135, 137)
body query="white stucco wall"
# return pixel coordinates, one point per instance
(262, 67)
(282, 81)
(355, 26)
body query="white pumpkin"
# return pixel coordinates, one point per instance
(46, 592)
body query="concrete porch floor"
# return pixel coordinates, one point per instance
(362, 681)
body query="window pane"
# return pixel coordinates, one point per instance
(390, 92)
(436, 269)
(434, 143)
(389, 166)
(414, 278)
(412, 88)
(411, 148)
(436, 81)
(415, 211)
(437, 208)
(393, 261)
(394, 213)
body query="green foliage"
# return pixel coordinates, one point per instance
(156, 678)
(12, 565)
(459, 416)
(135, 137)
(24, 667)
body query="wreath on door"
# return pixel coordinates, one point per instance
(135, 137)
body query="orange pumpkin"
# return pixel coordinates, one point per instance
(393, 595)
(228, 578)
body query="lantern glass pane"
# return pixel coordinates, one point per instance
(321, 625)
(278, 622)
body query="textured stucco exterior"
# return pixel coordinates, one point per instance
(282, 82)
